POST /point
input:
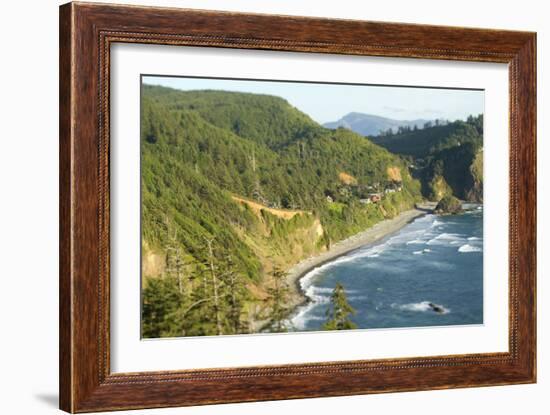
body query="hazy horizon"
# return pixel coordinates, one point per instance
(329, 102)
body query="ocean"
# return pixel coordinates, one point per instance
(433, 262)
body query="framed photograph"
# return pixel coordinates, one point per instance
(260, 207)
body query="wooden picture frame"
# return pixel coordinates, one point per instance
(86, 33)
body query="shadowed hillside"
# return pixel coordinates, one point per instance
(447, 158)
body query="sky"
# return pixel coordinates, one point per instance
(330, 102)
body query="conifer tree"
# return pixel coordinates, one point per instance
(235, 295)
(160, 303)
(338, 314)
(279, 299)
(214, 280)
(174, 263)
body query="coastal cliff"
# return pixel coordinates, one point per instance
(446, 157)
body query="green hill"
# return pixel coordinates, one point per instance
(264, 119)
(420, 143)
(261, 184)
(448, 158)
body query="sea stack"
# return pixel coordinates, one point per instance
(449, 205)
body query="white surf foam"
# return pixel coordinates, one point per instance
(469, 248)
(445, 238)
(416, 242)
(302, 317)
(436, 223)
(322, 290)
(370, 252)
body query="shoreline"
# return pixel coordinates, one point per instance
(367, 237)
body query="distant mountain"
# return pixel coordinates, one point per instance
(372, 125)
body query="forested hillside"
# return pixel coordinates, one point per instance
(236, 188)
(447, 158)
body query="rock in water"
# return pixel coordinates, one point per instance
(449, 205)
(437, 308)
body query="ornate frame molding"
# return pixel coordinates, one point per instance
(86, 34)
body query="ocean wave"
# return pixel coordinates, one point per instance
(474, 238)
(302, 317)
(469, 248)
(416, 242)
(317, 297)
(424, 251)
(353, 256)
(436, 223)
(322, 290)
(422, 306)
(449, 236)
(445, 238)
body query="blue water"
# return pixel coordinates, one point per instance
(435, 259)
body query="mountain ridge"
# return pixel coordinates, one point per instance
(371, 124)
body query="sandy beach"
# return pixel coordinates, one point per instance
(369, 236)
